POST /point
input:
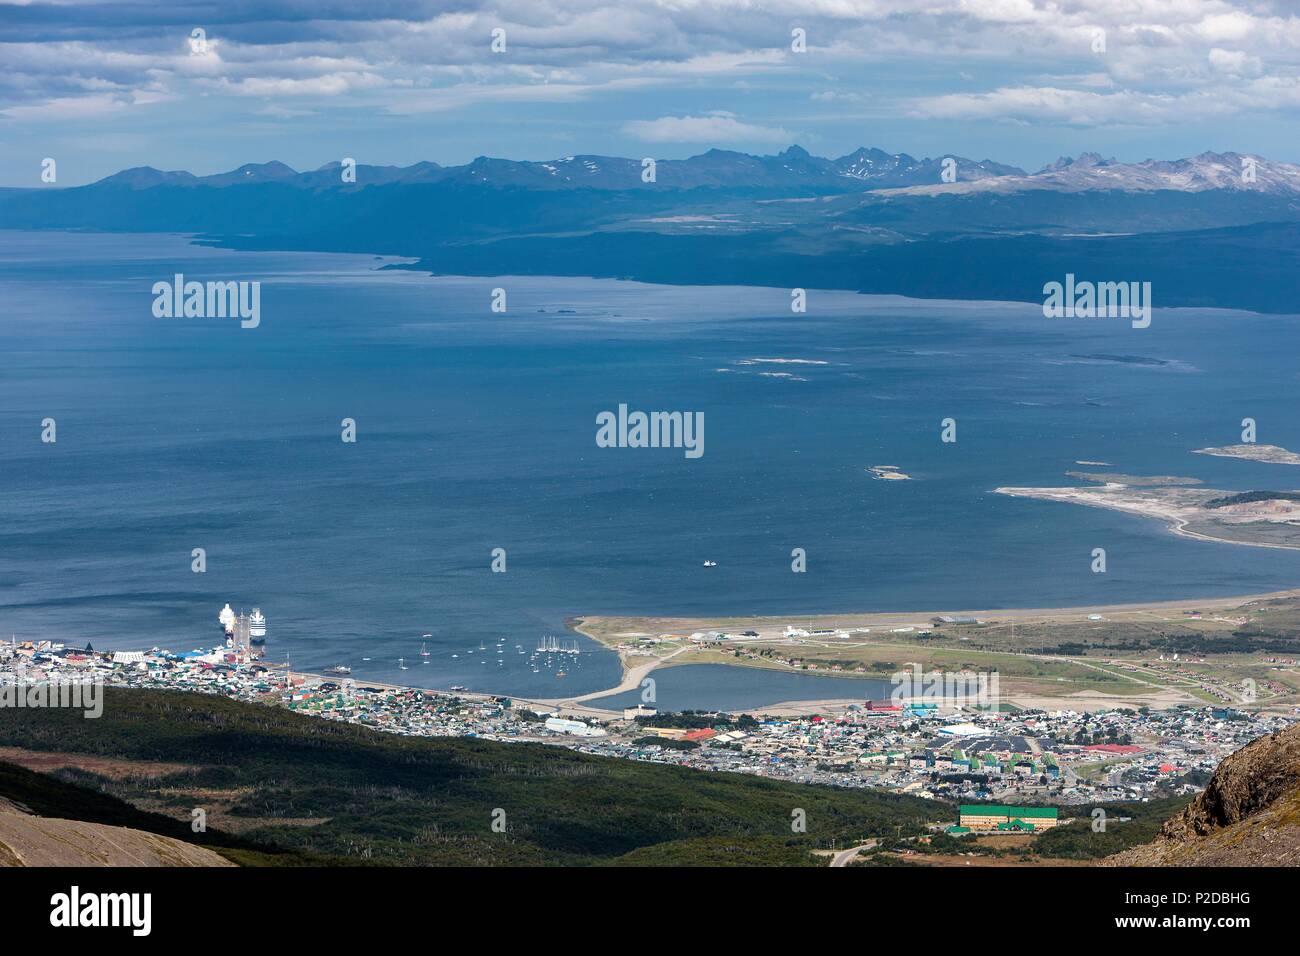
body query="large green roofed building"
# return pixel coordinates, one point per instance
(999, 817)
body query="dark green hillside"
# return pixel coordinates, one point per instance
(47, 796)
(1249, 497)
(1080, 841)
(339, 790)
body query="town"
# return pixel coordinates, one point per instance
(927, 749)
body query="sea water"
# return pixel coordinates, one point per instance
(476, 430)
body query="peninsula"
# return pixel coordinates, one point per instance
(1271, 454)
(1266, 519)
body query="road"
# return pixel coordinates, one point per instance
(845, 857)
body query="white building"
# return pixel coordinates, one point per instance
(577, 728)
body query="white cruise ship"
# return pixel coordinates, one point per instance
(227, 619)
(257, 624)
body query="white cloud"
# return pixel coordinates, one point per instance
(283, 112)
(70, 107)
(713, 128)
(328, 84)
(1012, 60)
(1046, 104)
(1235, 63)
(838, 96)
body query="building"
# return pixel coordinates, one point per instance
(708, 637)
(886, 706)
(668, 733)
(704, 733)
(561, 725)
(998, 817)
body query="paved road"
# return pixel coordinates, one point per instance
(845, 857)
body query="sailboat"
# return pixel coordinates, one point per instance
(424, 650)
(401, 664)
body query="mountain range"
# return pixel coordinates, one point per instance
(792, 168)
(1213, 230)
(865, 168)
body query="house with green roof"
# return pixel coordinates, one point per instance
(1000, 817)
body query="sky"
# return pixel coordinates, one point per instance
(209, 86)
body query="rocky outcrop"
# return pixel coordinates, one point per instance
(29, 840)
(1249, 815)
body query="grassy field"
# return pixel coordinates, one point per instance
(1239, 651)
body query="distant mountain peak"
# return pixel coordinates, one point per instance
(144, 177)
(1082, 161)
(1090, 171)
(793, 169)
(272, 168)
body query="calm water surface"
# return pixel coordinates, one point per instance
(477, 430)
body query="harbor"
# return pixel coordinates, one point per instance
(945, 750)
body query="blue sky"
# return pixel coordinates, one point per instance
(104, 86)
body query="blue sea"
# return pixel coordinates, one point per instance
(476, 430)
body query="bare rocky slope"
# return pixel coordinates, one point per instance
(30, 840)
(1249, 815)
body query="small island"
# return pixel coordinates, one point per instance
(889, 473)
(1271, 454)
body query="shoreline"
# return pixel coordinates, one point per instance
(632, 675)
(1169, 502)
(1028, 614)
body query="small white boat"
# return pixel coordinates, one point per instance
(401, 665)
(710, 564)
